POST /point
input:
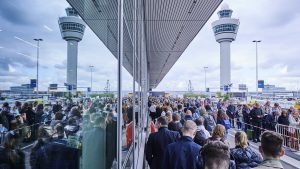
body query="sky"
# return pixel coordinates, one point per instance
(275, 23)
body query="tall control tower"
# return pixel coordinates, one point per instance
(225, 30)
(72, 30)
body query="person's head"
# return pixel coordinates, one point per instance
(271, 145)
(189, 129)
(189, 112)
(241, 139)
(39, 107)
(219, 131)
(58, 115)
(176, 117)
(216, 155)
(284, 113)
(199, 121)
(161, 122)
(43, 133)
(295, 113)
(276, 104)
(203, 111)
(59, 128)
(169, 116)
(72, 122)
(257, 105)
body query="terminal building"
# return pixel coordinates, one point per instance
(147, 38)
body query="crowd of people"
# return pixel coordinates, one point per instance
(188, 133)
(192, 133)
(52, 130)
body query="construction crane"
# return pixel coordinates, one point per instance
(190, 87)
(107, 87)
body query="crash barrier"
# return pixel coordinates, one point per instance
(290, 134)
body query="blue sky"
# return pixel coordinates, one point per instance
(276, 23)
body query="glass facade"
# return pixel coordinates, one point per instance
(231, 28)
(103, 145)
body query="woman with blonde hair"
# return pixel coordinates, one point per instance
(218, 134)
(243, 155)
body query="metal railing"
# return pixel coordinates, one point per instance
(290, 134)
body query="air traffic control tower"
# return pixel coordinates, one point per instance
(72, 30)
(225, 30)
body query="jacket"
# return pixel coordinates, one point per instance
(245, 158)
(183, 154)
(156, 146)
(7, 163)
(54, 155)
(257, 115)
(270, 164)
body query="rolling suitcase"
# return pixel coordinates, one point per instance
(250, 134)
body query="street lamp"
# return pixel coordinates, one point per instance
(91, 67)
(256, 41)
(205, 77)
(37, 64)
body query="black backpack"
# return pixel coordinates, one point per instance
(200, 137)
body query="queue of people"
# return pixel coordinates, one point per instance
(197, 143)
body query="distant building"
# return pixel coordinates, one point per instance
(272, 88)
(24, 89)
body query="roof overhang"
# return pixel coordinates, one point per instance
(170, 26)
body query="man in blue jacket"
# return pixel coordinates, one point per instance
(157, 143)
(185, 153)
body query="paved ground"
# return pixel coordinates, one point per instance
(289, 161)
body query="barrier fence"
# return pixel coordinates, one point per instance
(290, 134)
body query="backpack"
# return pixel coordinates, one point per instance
(200, 137)
(227, 124)
(209, 123)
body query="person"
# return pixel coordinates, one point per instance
(219, 134)
(294, 121)
(246, 117)
(185, 153)
(11, 157)
(175, 125)
(231, 113)
(188, 116)
(271, 150)
(42, 140)
(209, 121)
(223, 119)
(245, 157)
(201, 133)
(283, 122)
(240, 122)
(157, 143)
(257, 115)
(215, 155)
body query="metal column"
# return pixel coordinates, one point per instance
(120, 62)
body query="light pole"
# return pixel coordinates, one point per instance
(37, 64)
(256, 41)
(91, 67)
(205, 77)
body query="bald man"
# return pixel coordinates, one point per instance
(185, 153)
